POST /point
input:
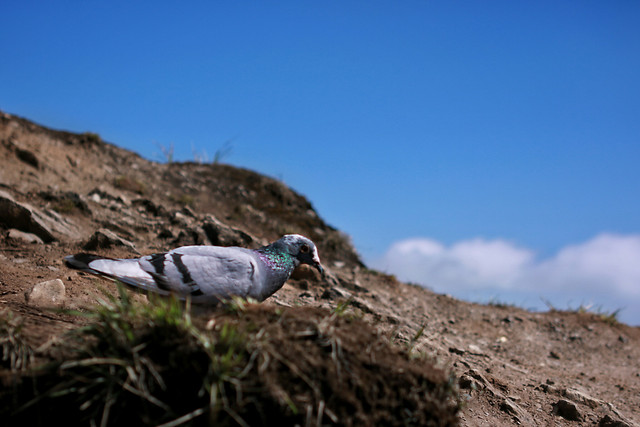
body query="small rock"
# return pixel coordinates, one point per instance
(95, 197)
(581, 397)
(104, 238)
(102, 194)
(186, 210)
(22, 217)
(351, 284)
(165, 233)
(547, 388)
(329, 294)
(519, 414)
(179, 219)
(607, 421)
(151, 207)
(467, 382)
(220, 234)
(455, 350)
(346, 295)
(567, 410)
(28, 157)
(302, 284)
(477, 378)
(22, 236)
(509, 407)
(46, 294)
(190, 236)
(305, 272)
(474, 349)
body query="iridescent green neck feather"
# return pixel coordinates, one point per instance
(277, 261)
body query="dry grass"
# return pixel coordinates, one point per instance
(15, 354)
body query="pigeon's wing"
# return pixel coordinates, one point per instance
(205, 273)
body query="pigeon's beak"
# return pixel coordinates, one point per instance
(316, 262)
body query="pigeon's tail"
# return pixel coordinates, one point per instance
(127, 271)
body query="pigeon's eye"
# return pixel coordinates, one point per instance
(304, 249)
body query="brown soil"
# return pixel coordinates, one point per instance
(512, 366)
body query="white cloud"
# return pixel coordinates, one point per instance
(608, 262)
(603, 269)
(470, 263)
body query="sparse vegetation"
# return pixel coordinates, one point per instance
(150, 364)
(223, 152)
(199, 156)
(414, 339)
(64, 206)
(609, 317)
(123, 182)
(166, 152)
(497, 302)
(92, 137)
(183, 199)
(143, 363)
(15, 353)
(65, 202)
(186, 200)
(341, 307)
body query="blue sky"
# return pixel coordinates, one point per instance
(471, 134)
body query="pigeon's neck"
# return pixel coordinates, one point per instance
(279, 265)
(279, 262)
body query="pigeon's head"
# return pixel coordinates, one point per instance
(301, 248)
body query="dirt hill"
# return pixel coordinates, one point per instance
(394, 349)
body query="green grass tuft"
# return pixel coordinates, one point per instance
(148, 359)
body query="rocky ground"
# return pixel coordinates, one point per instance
(61, 193)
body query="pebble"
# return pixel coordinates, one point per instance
(23, 236)
(46, 294)
(567, 410)
(104, 238)
(581, 397)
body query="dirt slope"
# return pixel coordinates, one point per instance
(71, 191)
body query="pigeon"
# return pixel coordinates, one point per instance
(208, 274)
